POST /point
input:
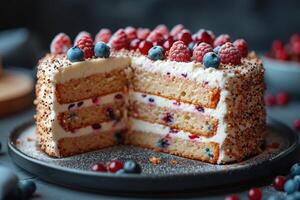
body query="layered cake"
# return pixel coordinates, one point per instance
(194, 96)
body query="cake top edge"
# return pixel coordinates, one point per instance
(178, 45)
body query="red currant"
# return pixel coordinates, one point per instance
(270, 100)
(254, 194)
(279, 183)
(297, 124)
(134, 44)
(282, 98)
(232, 197)
(144, 47)
(99, 167)
(114, 166)
(185, 36)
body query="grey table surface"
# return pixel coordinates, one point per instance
(45, 190)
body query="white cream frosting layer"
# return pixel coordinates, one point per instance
(168, 103)
(189, 70)
(89, 67)
(107, 99)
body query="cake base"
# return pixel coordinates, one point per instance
(75, 171)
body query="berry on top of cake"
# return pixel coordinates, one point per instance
(193, 95)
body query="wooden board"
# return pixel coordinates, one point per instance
(16, 92)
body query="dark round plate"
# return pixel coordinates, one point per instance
(172, 174)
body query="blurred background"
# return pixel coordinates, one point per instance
(258, 21)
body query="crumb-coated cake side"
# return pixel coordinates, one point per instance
(200, 99)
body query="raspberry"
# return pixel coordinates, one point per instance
(179, 52)
(242, 46)
(156, 37)
(176, 29)
(103, 35)
(222, 39)
(163, 29)
(130, 32)
(119, 40)
(270, 100)
(134, 44)
(200, 50)
(229, 54)
(80, 35)
(144, 47)
(185, 36)
(282, 98)
(296, 124)
(142, 33)
(86, 44)
(60, 44)
(204, 36)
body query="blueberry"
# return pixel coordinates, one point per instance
(291, 186)
(27, 187)
(121, 171)
(216, 49)
(156, 53)
(102, 50)
(75, 54)
(211, 59)
(8, 184)
(294, 196)
(191, 46)
(297, 179)
(295, 169)
(131, 167)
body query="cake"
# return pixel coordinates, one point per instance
(194, 96)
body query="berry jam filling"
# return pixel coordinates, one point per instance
(144, 95)
(168, 118)
(151, 100)
(95, 100)
(193, 136)
(184, 75)
(200, 108)
(79, 103)
(118, 96)
(173, 131)
(96, 126)
(110, 113)
(176, 103)
(71, 106)
(163, 143)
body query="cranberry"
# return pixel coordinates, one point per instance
(134, 44)
(297, 124)
(114, 166)
(270, 100)
(282, 98)
(254, 194)
(99, 167)
(279, 183)
(144, 47)
(185, 36)
(232, 197)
